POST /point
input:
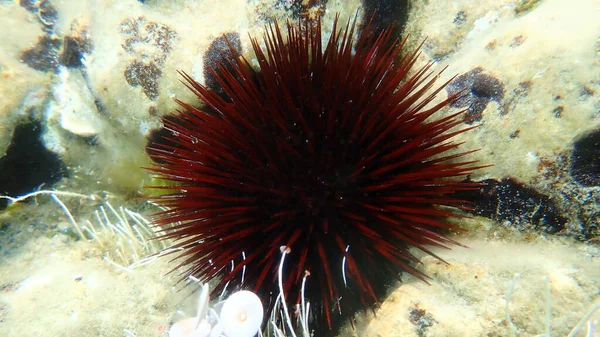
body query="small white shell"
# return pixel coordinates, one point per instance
(241, 315)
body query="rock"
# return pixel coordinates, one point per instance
(468, 296)
(530, 74)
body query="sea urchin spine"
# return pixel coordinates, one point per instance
(330, 150)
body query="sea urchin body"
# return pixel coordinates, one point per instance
(329, 149)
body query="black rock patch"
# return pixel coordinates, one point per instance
(27, 164)
(387, 12)
(585, 160)
(557, 112)
(150, 42)
(476, 90)
(44, 10)
(219, 52)
(147, 39)
(160, 136)
(517, 203)
(460, 18)
(43, 56)
(29, 5)
(145, 75)
(73, 49)
(421, 319)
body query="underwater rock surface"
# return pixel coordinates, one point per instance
(95, 77)
(531, 86)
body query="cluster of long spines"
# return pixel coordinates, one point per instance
(219, 157)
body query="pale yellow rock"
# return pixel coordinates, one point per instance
(17, 80)
(468, 297)
(552, 49)
(68, 290)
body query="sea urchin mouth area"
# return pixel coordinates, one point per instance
(327, 149)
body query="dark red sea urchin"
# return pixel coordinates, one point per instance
(329, 150)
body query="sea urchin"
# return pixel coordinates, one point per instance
(328, 149)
